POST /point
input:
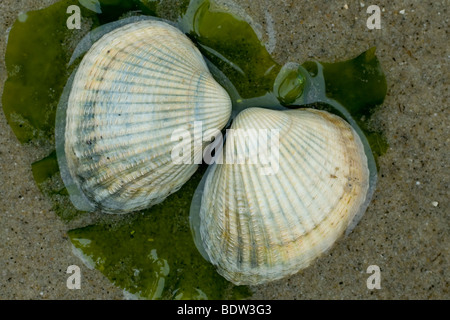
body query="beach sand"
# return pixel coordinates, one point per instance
(405, 230)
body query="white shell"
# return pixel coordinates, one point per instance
(257, 228)
(135, 87)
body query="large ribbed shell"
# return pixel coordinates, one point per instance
(135, 87)
(257, 228)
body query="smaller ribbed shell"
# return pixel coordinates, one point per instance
(256, 227)
(134, 88)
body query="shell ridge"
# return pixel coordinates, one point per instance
(288, 124)
(118, 190)
(304, 187)
(115, 108)
(284, 203)
(222, 232)
(306, 192)
(307, 180)
(289, 186)
(147, 65)
(149, 29)
(181, 60)
(328, 166)
(169, 86)
(252, 185)
(328, 170)
(112, 169)
(187, 64)
(126, 148)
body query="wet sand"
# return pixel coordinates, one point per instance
(405, 230)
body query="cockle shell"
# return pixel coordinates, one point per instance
(256, 227)
(133, 89)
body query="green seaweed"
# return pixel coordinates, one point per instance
(359, 84)
(37, 71)
(45, 169)
(47, 177)
(152, 254)
(232, 45)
